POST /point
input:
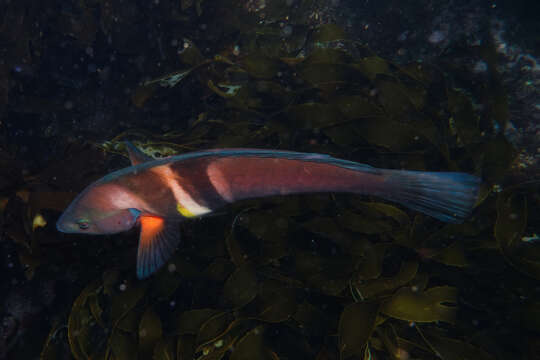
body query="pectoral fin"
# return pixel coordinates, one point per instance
(157, 242)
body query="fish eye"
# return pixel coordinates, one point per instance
(83, 224)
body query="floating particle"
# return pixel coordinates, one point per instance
(534, 237)
(403, 36)
(287, 31)
(480, 67)
(38, 221)
(437, 37)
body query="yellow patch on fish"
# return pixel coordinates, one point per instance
(183, 211)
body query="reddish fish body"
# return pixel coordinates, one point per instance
(157, 193)
(211, 182)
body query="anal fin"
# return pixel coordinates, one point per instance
(157, 242)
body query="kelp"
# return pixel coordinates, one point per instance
(241, 287)
(150, 332)
(452, 349)
(356, 324)
(416, 305)
(370, 289)
(275, 311)
(252, 346)
(512, 213)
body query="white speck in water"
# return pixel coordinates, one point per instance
(533, 237)
(436, 37)
(480, 67)
(287, 31)
(122, 287)
(403, 36)
(497, 188)
(171, 267)
(219, 343)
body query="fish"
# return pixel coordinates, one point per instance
(158, 194)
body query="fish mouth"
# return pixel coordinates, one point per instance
(60, 226)
(63, 225)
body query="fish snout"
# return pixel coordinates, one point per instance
(66, 225)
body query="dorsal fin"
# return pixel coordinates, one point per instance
(135, 155)
(157, 242)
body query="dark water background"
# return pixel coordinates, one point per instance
(430, 85)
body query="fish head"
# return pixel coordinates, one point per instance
(99, 209)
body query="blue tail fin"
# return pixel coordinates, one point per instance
(447, 196)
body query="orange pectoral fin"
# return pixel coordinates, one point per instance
(157, 243)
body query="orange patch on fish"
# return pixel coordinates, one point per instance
(150, 227)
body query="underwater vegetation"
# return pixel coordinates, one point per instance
(331, 276)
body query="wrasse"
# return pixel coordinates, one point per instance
(157, 194)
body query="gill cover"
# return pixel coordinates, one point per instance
(117, 221)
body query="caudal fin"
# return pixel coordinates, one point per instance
(447, 196)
